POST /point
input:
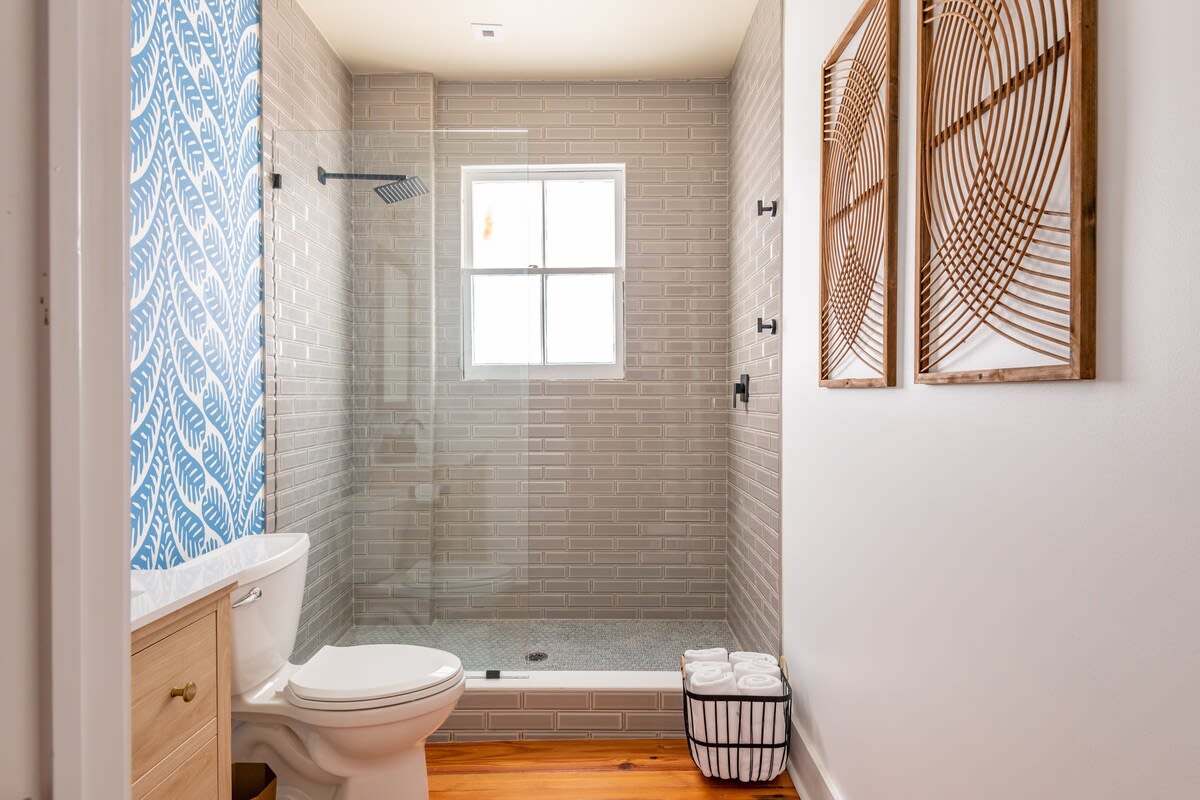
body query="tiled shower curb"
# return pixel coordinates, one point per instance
(568, 705)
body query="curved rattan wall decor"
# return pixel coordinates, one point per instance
(1006, 190)
(858, 201)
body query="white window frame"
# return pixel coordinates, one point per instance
(549, 372)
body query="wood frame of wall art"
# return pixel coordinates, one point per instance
(859, 195)
(1006, 191)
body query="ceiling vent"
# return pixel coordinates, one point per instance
(487, 33)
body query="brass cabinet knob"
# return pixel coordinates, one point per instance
(188, 692)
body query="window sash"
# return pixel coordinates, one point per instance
(542, 371)
(613, 172)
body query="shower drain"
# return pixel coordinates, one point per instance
(536, 656)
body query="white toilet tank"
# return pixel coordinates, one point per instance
(266, 610)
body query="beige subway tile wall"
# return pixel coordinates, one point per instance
(756, 274)
(596, 499)
(307, 313)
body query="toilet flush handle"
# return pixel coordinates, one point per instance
(251, 596)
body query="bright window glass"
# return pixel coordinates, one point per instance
(580, 324)
(506, 224)
(506, 319)
(580, 224)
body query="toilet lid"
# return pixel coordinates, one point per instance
(373, 672)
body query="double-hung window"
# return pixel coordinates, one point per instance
(543, 262)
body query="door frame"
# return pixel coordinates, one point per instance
(87, 127)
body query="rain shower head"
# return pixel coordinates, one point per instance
(402, 189)
(397, 188)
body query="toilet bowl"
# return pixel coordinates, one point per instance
(348, 724)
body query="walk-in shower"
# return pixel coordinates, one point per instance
(515, 522)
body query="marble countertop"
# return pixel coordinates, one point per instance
(155, 593)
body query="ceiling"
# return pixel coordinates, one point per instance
(543, 39)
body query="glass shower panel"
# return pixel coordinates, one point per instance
(482, 447)
(393, 392)
(439, 465)
(309, 356)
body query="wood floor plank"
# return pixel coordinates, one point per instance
(650, 754)
(582, 770)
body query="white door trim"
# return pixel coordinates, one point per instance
(88, 120)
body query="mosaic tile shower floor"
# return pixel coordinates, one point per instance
(568, 644)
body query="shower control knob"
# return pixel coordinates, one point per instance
(741, 390)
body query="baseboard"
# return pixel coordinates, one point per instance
(807, 772)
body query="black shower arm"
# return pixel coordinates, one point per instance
(323, 176)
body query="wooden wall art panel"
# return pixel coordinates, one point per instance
(1006, 187)
(858, 201)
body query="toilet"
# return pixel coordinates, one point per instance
(351, 722)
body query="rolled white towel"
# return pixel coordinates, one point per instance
(714, 721)
(761, 723)
(739, 656)
(696, 666)
(710, 654)
(710, 679)
(755, 668)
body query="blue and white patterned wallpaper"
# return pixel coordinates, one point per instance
(198, 467)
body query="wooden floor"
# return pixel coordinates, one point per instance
(652, 769)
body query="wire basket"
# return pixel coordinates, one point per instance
(739, 737)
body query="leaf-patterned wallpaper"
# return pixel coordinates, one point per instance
(198, 467)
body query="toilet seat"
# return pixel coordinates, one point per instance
(372, 676)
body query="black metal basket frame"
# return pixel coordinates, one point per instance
(764, 754)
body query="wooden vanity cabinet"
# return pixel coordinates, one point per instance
(180, 703)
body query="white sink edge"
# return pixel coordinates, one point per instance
(156, 593)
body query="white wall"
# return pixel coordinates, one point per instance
(21, 335)
(993, 592)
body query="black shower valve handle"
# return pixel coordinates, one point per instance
(741, 390)
(771, 208)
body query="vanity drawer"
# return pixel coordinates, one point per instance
(183, 662)
(195, 779)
